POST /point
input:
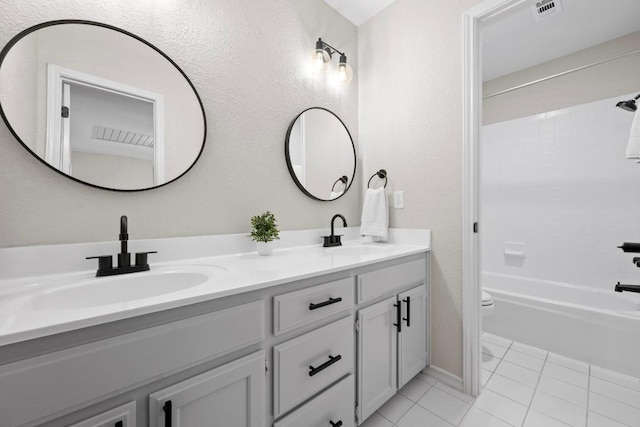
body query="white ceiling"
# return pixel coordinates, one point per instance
(516, 41)
(358, 11)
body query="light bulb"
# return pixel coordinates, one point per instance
(320, 57)
(344, 72)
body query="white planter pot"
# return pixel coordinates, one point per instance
(264, 248)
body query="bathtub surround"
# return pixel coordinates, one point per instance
(242, 169)
(559, 184)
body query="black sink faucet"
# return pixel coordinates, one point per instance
(124, 257)
(105, 262)
(334, 240)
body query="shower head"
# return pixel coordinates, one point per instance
(629, 105)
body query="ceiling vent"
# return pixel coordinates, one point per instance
(546, 8)
(104, 133)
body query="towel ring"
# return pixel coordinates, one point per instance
(382, 174)
(343, 179)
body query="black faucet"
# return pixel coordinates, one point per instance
(334, 240)
(627, 288)
(105, 262)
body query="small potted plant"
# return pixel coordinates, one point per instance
(264, 232)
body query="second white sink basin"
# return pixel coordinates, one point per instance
(100, 291)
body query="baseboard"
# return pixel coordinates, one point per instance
(444, 377)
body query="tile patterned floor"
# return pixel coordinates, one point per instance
(523, 387)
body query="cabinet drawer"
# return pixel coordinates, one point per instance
(387, 280)
(305, 365)
(299, 308)
(332, 406)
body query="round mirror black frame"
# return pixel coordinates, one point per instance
(30, 30)
(290, 165)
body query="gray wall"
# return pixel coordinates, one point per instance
(611, 78)
(247, 60)
(411, 125)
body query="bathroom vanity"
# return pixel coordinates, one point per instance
(306, 337)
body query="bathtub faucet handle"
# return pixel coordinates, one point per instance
(636, 261)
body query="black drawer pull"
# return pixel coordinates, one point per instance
(325, 365)
(330, 301)
(167, 413)
(338, 424)
(398, 323)
(119, 424)
(408, 318)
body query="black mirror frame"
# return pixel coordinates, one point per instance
(290, 166)
(19, 36)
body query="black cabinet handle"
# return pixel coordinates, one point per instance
(330, 301)
(398, 323)
(338, 424)
(167, 413)
(408, 318)
(119, 424)
(325, 365)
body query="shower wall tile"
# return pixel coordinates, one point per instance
(559, 183)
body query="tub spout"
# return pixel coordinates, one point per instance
(627, 288)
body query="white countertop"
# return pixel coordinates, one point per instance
(238, 273)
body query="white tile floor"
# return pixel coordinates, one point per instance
(523, 387)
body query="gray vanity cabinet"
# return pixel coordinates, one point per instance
(216, 364)
(392, 333)
(232, 395)
(390, 356)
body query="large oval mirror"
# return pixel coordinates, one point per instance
(320, 154)
(100, 105)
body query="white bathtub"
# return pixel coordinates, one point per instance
(600, 327)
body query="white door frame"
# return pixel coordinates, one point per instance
(472, 121)
(57, 75)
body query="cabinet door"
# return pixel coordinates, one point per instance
(232, 395)
(377, 349)
(412, 340)
(122, 416)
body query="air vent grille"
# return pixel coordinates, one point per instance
(546, 8)
(123, 136)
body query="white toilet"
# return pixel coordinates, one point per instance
(487, 304)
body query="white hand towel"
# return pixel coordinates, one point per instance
(375, 215)
(633, 147)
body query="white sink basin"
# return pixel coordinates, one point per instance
(360, 249)
(100, 291)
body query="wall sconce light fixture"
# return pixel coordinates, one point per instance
(322, 59)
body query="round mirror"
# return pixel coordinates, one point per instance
(320, 154)
(100, 105)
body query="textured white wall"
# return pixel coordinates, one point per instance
(247, 61)
(410, 107)
(559, 183)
